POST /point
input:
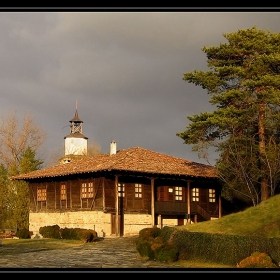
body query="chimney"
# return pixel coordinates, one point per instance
(113, 148)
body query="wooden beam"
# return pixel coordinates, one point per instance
(189, 201)
(153, 201)
(220, 205)
(117, 205)
(103, 193)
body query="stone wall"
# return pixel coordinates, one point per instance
(96, 220)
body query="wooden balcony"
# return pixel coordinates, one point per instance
(171, 208)
(180, 208)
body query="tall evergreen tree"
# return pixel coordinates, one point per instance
(244, 85)
(20, 190)
(28, 161)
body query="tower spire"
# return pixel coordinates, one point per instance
(75, 143)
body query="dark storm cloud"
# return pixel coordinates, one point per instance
(125, 70)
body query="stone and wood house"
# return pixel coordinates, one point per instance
(122, 191)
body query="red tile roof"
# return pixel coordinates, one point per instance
(133, 159)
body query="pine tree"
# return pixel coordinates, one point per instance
(28, 162)
(20, 190)
(244, 85)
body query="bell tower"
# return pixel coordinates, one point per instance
(75, 143)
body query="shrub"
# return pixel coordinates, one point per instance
(147, 233)
(50, 231)
(257, 260)
(86, 235)
(157, 243)
(166, 253)
(144, 248)
(23, 233)
(68, 233)
(145, 241)
(153, 244)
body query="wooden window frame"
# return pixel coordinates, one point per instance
(87, 190)
(121, 190)
(41, 194)
(63, 192)
(138, 191)
(178, 193)
(195, 194)
(212, 195)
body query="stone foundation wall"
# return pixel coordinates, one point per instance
(96, 220)
(133, 223)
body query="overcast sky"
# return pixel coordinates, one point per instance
(124, 69)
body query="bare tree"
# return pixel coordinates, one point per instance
(93, 149)
(16, 135)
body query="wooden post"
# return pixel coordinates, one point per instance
(117, 205)
(37, 203)
(160, 221)
(189, 201)
(55, 196)
(220, 205)
(70, 187)
(153, 201)
(46, 196)
(103, 193)
(59, 198)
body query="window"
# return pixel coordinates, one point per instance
(138, 190)
(63, 192)
(178, 193)
(42, 194)
(121, 189)
(212, 195)
(195, 194)
(87, 190)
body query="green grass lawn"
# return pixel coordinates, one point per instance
(261, 220)
(18, 246)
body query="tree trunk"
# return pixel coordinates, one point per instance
(264, 180)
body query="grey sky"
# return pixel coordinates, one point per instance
(125, 70)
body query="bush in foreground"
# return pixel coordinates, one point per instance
(85, 235)
(152, 243)
(171, 244)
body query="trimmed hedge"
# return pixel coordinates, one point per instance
(172, 244)
(86, 235)
(50, 231)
